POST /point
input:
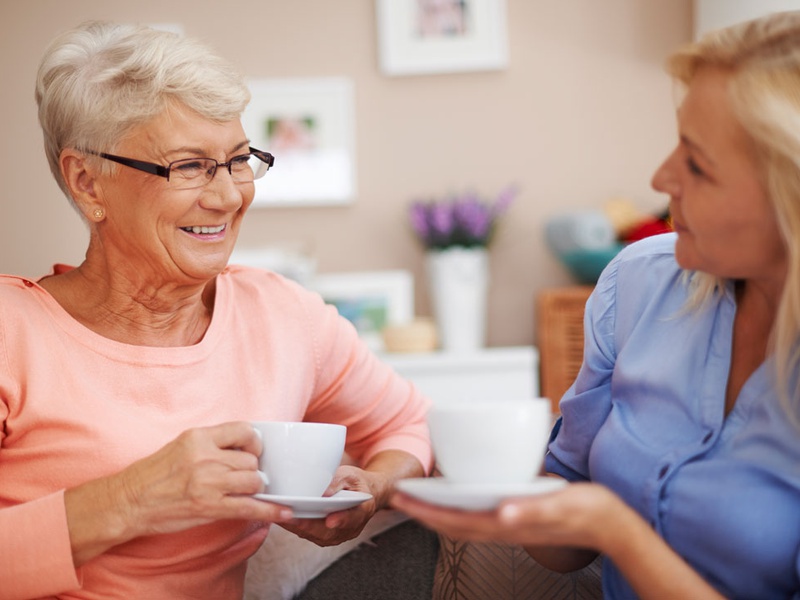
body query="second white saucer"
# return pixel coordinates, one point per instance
(469, 496)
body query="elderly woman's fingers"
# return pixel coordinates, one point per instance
(198, 477)
(334, 529)
(235, 434)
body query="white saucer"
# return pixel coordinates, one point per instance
(312, 507)
(474, 496)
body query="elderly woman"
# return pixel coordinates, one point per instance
(683, 425)
(126, 383)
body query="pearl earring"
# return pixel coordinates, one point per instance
(98, 213)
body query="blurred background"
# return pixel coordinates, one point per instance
(581, 114)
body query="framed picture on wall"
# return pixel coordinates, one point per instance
(370, 300)
(441, 36)
(308, 125)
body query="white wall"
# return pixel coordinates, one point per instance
(714, 14)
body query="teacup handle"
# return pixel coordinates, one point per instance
(264, 478)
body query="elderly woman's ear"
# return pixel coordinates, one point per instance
(80, 177)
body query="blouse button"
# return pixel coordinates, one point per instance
(663, 471)
(27, 283)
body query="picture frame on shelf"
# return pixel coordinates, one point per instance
(308, 124)
(417, 37)
(370, 300)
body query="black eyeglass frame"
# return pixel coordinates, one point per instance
(162, 171)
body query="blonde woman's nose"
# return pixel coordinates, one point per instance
(665, 178)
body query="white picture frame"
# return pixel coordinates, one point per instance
(308, 124)
(370, 300)
(415, 38)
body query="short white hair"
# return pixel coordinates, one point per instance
(97, 81)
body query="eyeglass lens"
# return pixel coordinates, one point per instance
(196, 172)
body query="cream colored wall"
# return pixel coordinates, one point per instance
(583, 113)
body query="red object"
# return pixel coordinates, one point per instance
(647, 228)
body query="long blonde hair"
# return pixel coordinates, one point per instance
(763, 59)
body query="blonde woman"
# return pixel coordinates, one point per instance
(681, 432)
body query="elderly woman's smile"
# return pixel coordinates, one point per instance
(204, 230)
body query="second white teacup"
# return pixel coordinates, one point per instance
(299, 459)
(490, 442)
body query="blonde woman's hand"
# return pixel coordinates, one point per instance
(576, 515)
(563, 530)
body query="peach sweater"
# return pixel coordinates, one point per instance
(76, 406)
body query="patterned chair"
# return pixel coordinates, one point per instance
(492, 571)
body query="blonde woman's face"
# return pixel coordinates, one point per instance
(725, 223)
(167, 234)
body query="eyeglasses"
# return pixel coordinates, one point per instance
(191, 173)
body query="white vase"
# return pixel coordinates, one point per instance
(459, 284)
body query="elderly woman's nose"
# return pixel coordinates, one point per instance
(222, 192)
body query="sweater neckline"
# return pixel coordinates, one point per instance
(139, 354)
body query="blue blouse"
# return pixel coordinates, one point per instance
(645, 417)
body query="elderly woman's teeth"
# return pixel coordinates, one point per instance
(204, 229)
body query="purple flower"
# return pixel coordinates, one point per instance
(473, 218)
(458, 221)
(442, 219)
(418, 215)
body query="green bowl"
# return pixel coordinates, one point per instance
(586, 265)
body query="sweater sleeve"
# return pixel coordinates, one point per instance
(382, 411)
(35, 553)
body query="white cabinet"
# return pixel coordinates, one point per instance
(485, 374)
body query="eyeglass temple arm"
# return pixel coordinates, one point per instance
(263, 156)
(141, 165)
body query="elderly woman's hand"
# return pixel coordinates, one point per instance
(377, 478)
(203, 475)
(344, 525)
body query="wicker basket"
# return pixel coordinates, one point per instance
(559, 326)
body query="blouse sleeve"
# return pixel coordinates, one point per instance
(382, 411)
(586, 404)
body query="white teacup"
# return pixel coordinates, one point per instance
(490, 442)
(299, 459)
